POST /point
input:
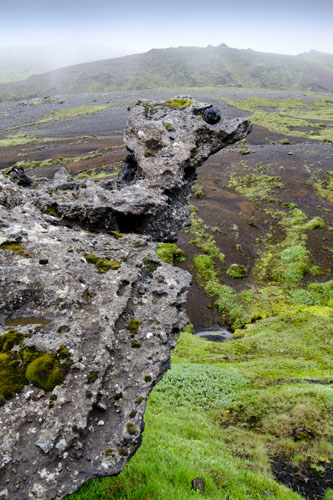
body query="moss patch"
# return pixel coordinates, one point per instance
(179, 103)
(70, 113)
(170, 252)
(286, 115)
(133, 326)
(21, 365)
(237, 271)
(102, 265)
(12, 246)
(45, 372)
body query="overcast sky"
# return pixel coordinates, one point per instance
(82, 30)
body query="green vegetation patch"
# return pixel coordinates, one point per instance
(133, 326)
(12, 246)
(255, 187)
(21, 365)
(102, 265)
(198, 385)
(59, 162)
(288, 261)
(70, 113)
(179, 103)
(170, 252)
(286, 115)
(15, 140)
(203, 239)
(237, 271)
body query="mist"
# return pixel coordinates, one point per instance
(39, 37)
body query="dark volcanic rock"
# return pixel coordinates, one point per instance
(212, 115)
(88, 318)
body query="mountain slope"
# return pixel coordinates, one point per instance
(184, 67)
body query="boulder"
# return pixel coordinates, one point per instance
(88, 313)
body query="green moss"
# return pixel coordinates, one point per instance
(10, 339)
(70, 113)
(197, 190)
(119, 396)
(288, 261)
(149, 154)
(135, 344)
(133, 326)
(12, 378)
(103, 265)
(179, 103)
(237, 271)
(45, 372)
(109, 452)
(255, 187)
(169, 253)
(12, 246)
(168, 127)
(63, 353)
(52, 210)
(20, 365)
(115, 234)
(131, 429)
(147, 378)
(150, 265)
(203, 240)
(139, 400)
(291, 114)
(92, 377)
(15, 140)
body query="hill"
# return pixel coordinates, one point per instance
(183, 67)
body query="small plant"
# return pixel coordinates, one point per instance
(237, 271)
(170, 252)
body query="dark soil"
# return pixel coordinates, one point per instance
(305, 480)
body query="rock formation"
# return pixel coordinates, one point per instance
(88, 313)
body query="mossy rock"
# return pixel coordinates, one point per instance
(179, 103)
(170, 252)
(19, 366)
(102, 265)
(12, 246)
(237, 271)
(45, 372)
(134, 325)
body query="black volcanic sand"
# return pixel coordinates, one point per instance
(294, 163)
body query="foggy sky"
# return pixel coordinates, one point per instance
(70, 31)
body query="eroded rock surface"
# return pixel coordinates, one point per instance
(88, 318)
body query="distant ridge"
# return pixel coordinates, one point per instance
(183, 67)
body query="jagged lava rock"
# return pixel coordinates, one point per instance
(166, 141)
(88, 318)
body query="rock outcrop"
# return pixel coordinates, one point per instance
(88, 313)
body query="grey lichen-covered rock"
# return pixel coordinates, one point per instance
(87, 319)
